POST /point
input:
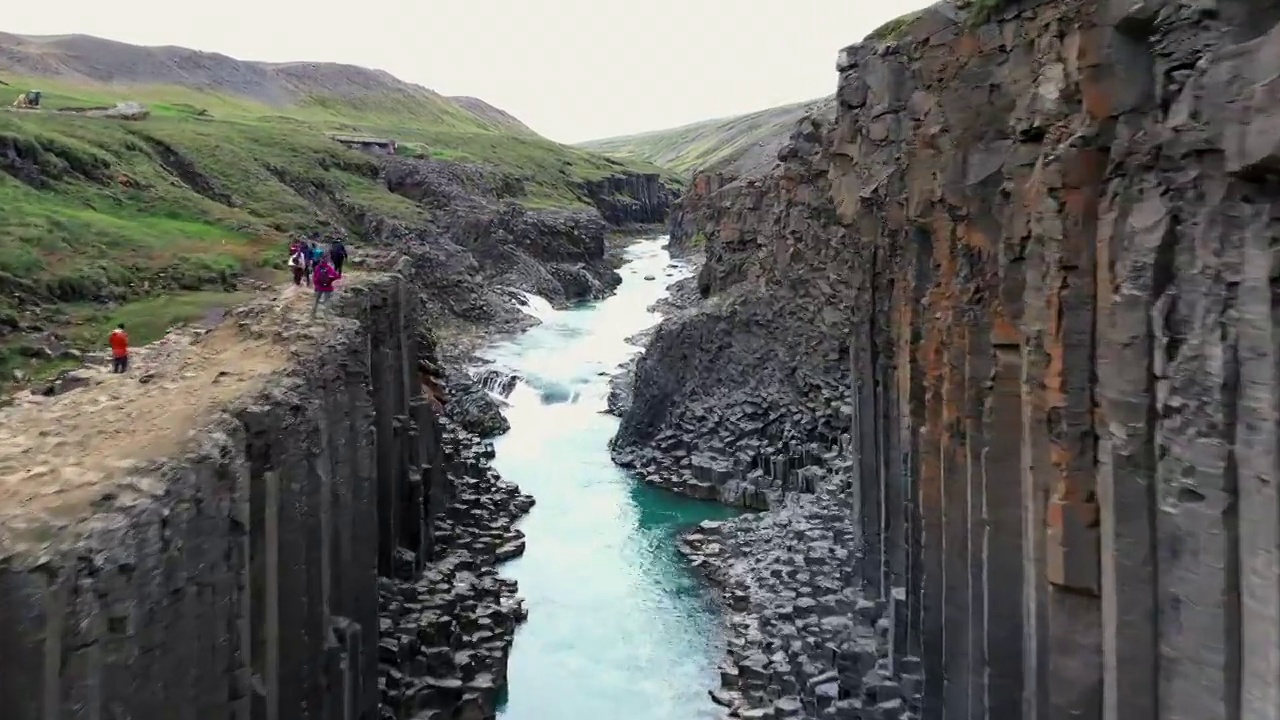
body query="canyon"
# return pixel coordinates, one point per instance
(275, 515)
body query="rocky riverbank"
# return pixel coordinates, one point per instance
(804, 642)
(446, 629)
(682, 295)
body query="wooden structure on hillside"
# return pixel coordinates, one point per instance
(380, 146)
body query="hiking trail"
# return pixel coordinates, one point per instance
(61, 454)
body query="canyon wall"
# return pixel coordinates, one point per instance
(313, 556)
(629, 198)
(1054, 250)
(1072, 212)
(714, 194)
(745, 396)
(482, 240)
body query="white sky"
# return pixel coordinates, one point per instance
(572, 70)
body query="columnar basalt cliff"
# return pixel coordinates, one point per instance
(630, 198)
(326, 550)
(1059, 227)
(720, 409)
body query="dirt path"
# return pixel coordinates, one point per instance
(60, 454)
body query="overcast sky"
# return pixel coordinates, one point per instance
(572, 70)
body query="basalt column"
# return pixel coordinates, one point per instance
(1067, 413)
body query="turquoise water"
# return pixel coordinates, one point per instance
(619, 628)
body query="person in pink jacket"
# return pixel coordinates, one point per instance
(322, 281)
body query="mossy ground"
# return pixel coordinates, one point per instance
(87, 325)
(981, 12)
(895, 28)
(117, 214)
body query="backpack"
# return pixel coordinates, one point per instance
(297, 260)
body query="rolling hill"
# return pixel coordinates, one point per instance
(739, 145)
(234, 156)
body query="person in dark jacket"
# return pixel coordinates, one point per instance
(338, 254)
(308, 266)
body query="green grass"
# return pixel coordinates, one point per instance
(147, 320)
(86, 326)
(116, 214)
(895, 28)
(705, 145)
(209, 183)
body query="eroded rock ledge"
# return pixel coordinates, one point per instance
(1050, 244)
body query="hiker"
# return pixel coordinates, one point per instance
(299, 252)
(298, 263)
(317, 254)
(338, 253)
(119, 350)
(323, 282)
(308, 259)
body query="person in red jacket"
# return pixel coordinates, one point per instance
(322, 281)
(119, 349)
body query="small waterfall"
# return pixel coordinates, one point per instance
(536, 306)
(497, 382)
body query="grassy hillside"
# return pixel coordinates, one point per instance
(111, 213)
(499, 118)
(750, 140)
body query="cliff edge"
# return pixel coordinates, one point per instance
(1048, 232)
(276, 517)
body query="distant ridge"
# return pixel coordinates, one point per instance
(741, 145)
(89, 59)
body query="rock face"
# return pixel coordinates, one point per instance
(630, 198)
(1055, 275)
(326, 551)
(473, 407)
(482, 238)
(746, 396)
(697, 215)
(446, 626)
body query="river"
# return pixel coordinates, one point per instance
(619, 627)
